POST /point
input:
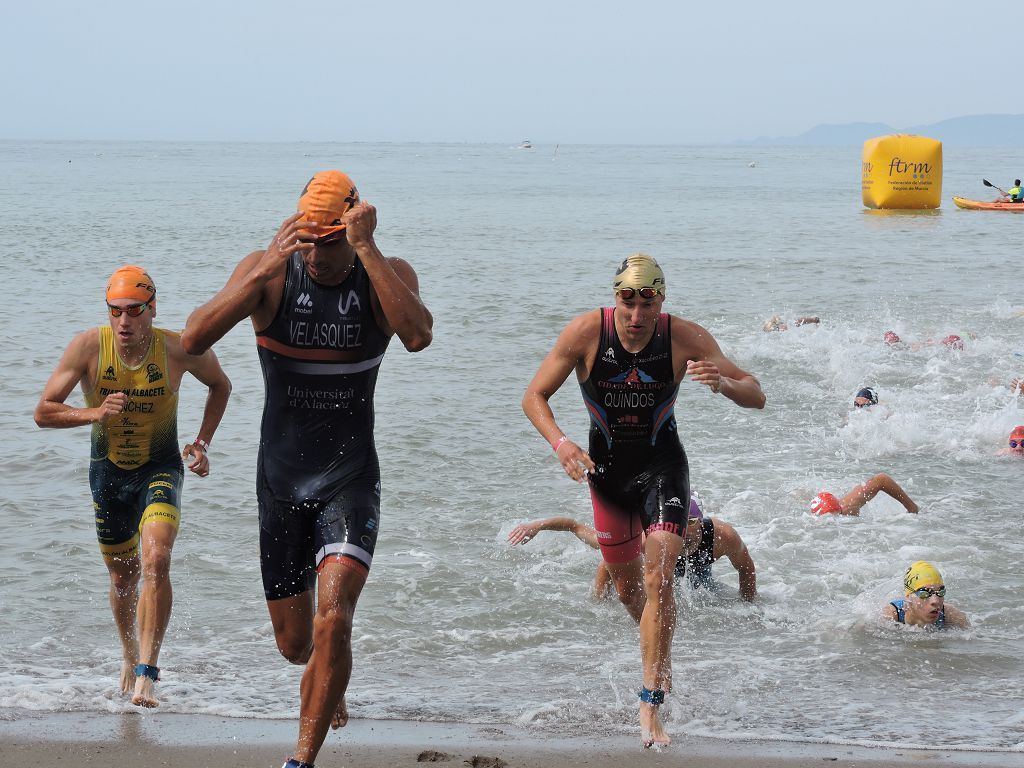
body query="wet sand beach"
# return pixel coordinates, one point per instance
(80, 740)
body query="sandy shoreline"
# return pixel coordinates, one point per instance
(77, 740)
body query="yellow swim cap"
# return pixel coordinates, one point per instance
(920, 573)
(639, 271)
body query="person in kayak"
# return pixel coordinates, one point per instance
(1013, 195)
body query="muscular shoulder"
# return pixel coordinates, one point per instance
(690, 336)
(84, 346)
(727, 540)
(581, 335)
(889, 611)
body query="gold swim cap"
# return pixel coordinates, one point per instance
(639, 271)
(920, 573)
(131, 282)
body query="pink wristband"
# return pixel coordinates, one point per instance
(558, 443)
(202, 444)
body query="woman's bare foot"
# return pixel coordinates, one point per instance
(127, 682)
(144, 696)
(340, 719)
(652, 734)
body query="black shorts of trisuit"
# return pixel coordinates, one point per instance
(121, 496)
(295, 538)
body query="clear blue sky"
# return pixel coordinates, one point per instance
(569, 72)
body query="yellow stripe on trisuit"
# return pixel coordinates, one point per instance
(160, 513)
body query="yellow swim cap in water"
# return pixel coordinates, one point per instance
(639, 271)
(919, 574)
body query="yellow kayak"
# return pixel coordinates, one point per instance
(979, 205)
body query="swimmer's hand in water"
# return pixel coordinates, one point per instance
(523, 533)
(574, 460)
(705, 372)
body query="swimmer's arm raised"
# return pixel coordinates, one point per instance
(73, 368)
(246, 291)
(395, 284)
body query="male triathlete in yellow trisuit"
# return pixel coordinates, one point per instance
(130, 373)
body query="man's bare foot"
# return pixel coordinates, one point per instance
(652, 734)
(127, 682)
(144, 696)
(340, 719)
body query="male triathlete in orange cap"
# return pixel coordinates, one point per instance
(129, 372)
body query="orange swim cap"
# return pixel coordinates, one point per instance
(825, 503)
(326, 198)
(132, 282)
(1017, 432)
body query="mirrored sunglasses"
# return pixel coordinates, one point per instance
(645, 293)
(133, 310)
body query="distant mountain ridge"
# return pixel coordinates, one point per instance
(969, 130)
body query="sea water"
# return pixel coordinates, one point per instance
(509, 245)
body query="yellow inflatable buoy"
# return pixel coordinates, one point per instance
(902, 171)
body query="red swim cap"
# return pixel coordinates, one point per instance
(1017, 432)
(825, 503)
(892, 338)
(953, 341)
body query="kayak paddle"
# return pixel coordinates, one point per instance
(988, 183)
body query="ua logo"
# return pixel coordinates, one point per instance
(345, 303)
(304, 300)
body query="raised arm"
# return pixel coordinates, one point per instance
(865, 492)
(570, 351)
(709, 366)
(394, 282)
(245, 292)
(73, 368)
(729, 544)
(206, 368)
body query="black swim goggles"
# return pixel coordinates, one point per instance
(923, 593)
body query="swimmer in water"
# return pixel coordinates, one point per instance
(704, 544)
(924, 600)
(776, 323)
(1015, 445)
(865, 398)
(827, 504)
